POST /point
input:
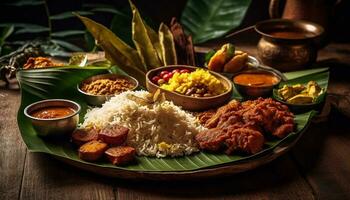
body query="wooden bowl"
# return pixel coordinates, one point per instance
(188, 102)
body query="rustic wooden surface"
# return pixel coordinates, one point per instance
(318, 167)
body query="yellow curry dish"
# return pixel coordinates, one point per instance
(199, 83)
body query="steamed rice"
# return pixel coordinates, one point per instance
(161, 129)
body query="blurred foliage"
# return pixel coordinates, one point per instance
(210, 19)
(57, 32)
(203, 19)
(73, 38)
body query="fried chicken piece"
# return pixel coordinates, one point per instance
(232, 139)
(244, 140)
(270, 115)
(214, 120)
(212, 139)
(283, 130)
(203, 117)
(229, 120)
(240, 126)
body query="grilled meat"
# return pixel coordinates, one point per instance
(114, 134)
(92, 150)
(82, 136)
(120, 155)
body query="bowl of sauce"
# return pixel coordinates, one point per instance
(53, 117)
(256, 83)
(288, 45)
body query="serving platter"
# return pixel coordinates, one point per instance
(61, 83)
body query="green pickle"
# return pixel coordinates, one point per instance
(299, 94)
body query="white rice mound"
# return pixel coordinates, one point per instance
(162, 129)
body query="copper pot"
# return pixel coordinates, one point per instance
(288, 52)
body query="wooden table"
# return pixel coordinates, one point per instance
(318, 167)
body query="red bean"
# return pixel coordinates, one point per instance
(185, 71)
(168, 76)
(163, 73)
(175, 71)
(155, 79)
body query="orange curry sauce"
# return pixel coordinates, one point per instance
(255, 79)
(290, 34)
(52, 112)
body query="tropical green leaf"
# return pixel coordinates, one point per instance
(5, 50)
(66, 15)
(116, 51)
(5, 33)
(298, 74)
(121, 26)
(26, 3)
(153, 36)
(26, 27)
(67, 33)
(168, 45)
(54, 50)
(107, 10)
(52, 83)
(96, 5)
(210, 19)
(209, 55)
(141, 35)
(89, 41)
(67, 45)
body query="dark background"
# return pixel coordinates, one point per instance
(158, 11)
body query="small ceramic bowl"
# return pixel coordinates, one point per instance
(250, 91)
(98, 100)
(188, 102)
(301, 108)
(55, 126)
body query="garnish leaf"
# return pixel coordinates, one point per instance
(142, 41)
(168, 45)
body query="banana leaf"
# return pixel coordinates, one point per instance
(26, 3)
(54, 82)
(142, 40)
(167, 45)
(153, 36)
(116, 51)
(69, 14)
(210, 19)
(4, 34)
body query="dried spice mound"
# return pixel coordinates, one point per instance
(107, 86)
